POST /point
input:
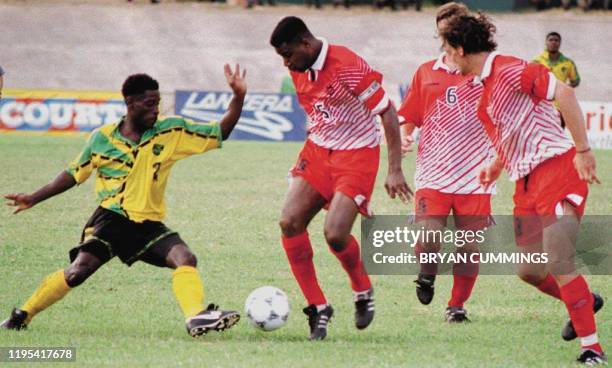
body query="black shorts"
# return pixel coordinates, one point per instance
(108, 234)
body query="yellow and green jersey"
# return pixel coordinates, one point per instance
(132, 176)
(564, 68)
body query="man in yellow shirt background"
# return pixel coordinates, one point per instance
(560, 65)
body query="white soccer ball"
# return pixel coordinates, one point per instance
(267, 308)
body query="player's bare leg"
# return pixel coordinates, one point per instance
(302, 203)
(559, 241)
(53, 288)
(338, 224)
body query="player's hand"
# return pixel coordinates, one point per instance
(585, 165)
(236, 80)
(20, 200)
(489, 174)
(396, 186)
(407, 143)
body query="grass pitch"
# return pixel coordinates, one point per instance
(225, 204)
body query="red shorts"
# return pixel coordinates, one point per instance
(471, 211)
(539, 196)
(351, 172)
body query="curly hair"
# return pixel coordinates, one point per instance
(474, 33)
(450, 10)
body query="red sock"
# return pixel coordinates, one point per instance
(579, 302)
(549, 286)
(464, 278)
(430, 269)
(299, 253)
(350, 259)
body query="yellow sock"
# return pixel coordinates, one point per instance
(52, 289)
(188, 289)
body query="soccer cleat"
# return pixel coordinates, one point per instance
(317, 321)
(425, 288)
(17, 320)
(592, 358)
(364, 309)
(569, 333)
(456, 315)
(211, 319)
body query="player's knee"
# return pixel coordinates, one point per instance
(291, 226)
(531, 278)
(180, 255)
(188, 259)
(77, 273)
(337, 240)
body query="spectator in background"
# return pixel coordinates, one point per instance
(316, 3)
(561, 66)
(1, 80)
(346, 3)
(251, 3)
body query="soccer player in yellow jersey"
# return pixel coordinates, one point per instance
(560, 65)
(133, 159)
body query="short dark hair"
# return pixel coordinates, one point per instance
(137, 84)
(475, 33)
(289, 30)
(450, 10)
(553, 33)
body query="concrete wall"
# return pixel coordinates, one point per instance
(95, 45)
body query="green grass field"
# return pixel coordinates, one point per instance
(225, 204)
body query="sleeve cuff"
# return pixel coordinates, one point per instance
(217, 132)
(552, 84)
(382, 106)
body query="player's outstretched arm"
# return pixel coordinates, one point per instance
(574, 121)
(237, 83)
(396, 182)
(22, 201)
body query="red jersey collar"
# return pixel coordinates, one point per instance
(486, 69)
(320, 62)
(439, 64)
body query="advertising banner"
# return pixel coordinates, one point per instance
(55, 110)
(265, 116)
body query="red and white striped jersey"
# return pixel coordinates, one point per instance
(453, 146)
(342, 95)
(518, 114)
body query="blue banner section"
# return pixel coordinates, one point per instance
(265, 116)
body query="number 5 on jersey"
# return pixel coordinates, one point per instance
(320, 107)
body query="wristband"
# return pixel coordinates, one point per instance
(584, 150)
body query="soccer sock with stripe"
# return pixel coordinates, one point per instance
(350, 259)
(52, 289)
(579, 302)
(549, 286)
(299, 253)
(464, 278)
(188, 290)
